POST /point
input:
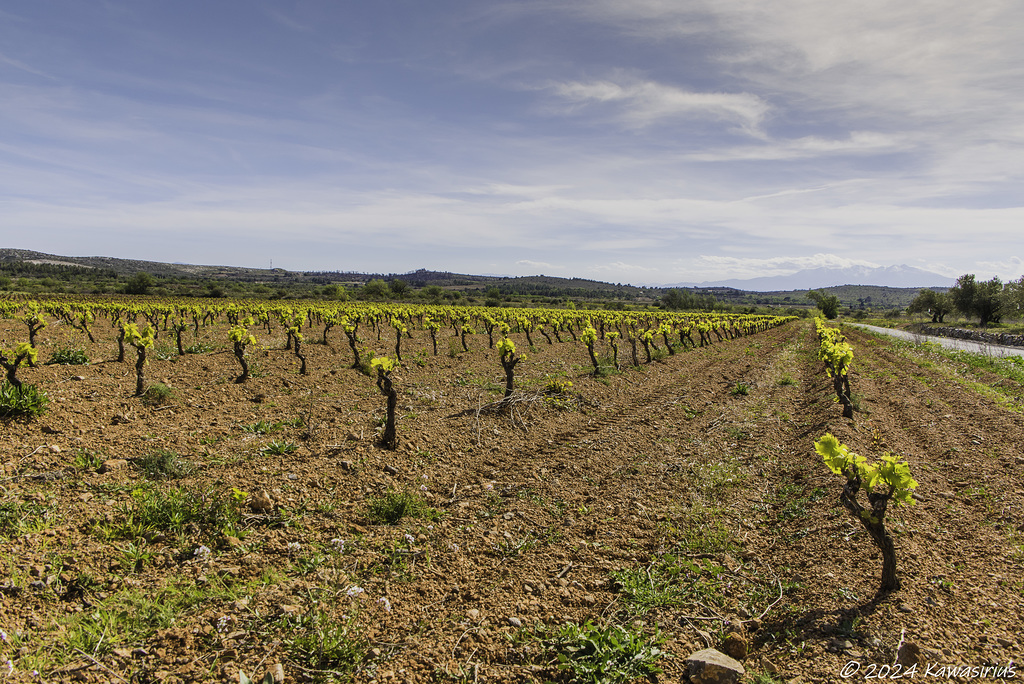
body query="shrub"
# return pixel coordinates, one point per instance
(508, 359)
(24, 354)
(837, 354)
(589, 338)
(241, 338)
(141, 341)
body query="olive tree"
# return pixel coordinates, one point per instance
(982, 300)
(936, 304)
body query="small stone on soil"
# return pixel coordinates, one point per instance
(113, 464)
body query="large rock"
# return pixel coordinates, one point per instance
(713, 667)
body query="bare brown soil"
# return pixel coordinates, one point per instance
(540, 514)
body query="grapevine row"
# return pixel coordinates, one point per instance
(369, 328)
(837, 354)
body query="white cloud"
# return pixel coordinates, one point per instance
(781, 265)
(640, 103)
(534, 264)
(621, 267)
(856, 143)
(1008, 269)
(513, 190)
(941, 62)
(939, 77)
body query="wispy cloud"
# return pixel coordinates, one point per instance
(619, 267)
(534, 264)
(641, 103)
(286, 20)
(781, 264)
(937, 76)
(1005, 269)
(857, 143)
(18, 64)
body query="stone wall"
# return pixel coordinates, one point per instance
(1003, 339)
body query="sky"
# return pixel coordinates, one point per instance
(649, 141)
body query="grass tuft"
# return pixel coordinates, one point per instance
(395, 505)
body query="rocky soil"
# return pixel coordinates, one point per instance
(682, 501)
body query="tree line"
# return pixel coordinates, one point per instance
(988, 301)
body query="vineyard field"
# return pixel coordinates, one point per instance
(214, 530)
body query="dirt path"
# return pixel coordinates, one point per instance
(948, 342)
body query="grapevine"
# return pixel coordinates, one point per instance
(384, 366)
(141, 341)
(24, 353)
(589, 337)
(888, 479)
(241, 338)
(507, 351)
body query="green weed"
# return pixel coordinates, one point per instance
(670, 580)
(163, 465)
(395, 505)
(174, 511)
(69, 356)
(158, 394)
(263, 427)
(29, 401)
(22, 517)
(278, 448)
(198, 348)
(322, 641)
(133, 615)
(602, 655)
(86, 459)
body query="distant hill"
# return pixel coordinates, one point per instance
(99, 274)
(815, 278)
(129, 267)
(21, 262)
